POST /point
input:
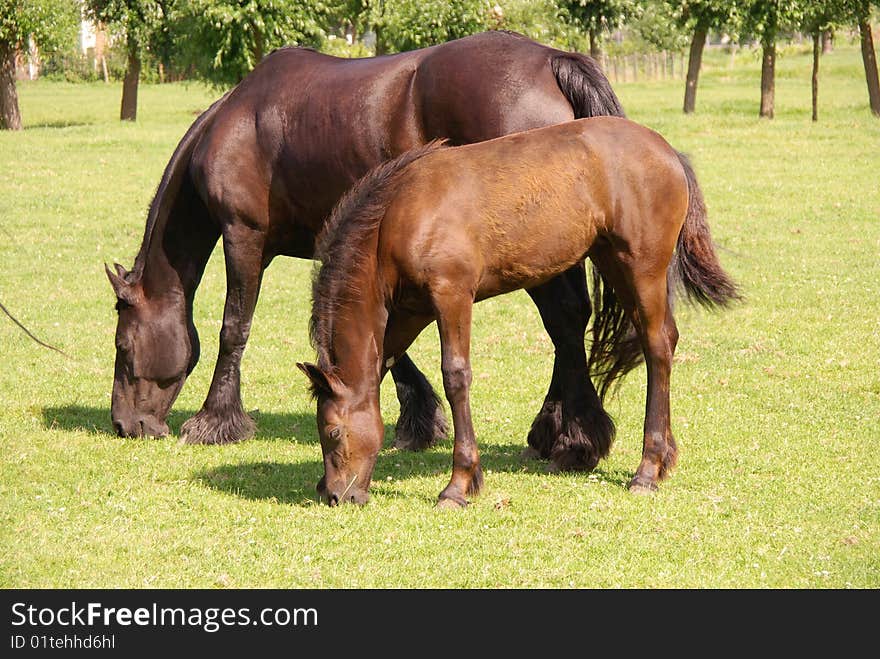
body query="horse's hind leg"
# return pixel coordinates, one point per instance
(454, 324)
(657, 330)
(222, 419)
(572, 429)
(422, 421)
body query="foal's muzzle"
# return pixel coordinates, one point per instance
(336, 496)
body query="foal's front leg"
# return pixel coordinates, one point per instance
(454, 323)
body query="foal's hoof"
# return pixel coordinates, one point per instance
(642, 486)
(451, 504)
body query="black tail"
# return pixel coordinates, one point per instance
(585, 86)
(696, 267)
(616, 348)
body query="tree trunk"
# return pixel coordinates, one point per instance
(258, 44)
(695, 59)
(768, 82)
(870, 62)
(827, 42)
(10, 116)
(815, 78)
(595, 51)
(128, 112)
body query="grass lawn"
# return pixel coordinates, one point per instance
(776, 403)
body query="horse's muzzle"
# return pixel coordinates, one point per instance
(143, 426)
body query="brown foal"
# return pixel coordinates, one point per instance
(427, 235)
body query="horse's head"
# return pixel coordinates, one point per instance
(351, 431)
(156, 348)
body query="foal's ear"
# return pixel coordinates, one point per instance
(323, 383)
(121, 288)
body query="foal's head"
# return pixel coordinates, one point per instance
(156, 348)
(351, 431)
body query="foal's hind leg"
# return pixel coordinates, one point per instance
(652, 316)
(572, 429)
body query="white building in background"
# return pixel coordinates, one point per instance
(87, 35)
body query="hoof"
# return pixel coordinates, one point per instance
(530, 453)
(210, 428)
(451, 504)
(413, 435)
(642, 486)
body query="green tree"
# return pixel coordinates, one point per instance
(144, 25)
(223, 40)
(819, 19)
(50, 23)
(537, 19)
(767, 19)
(596, 17)
(698, 17)
(860, 12)
(402, 25)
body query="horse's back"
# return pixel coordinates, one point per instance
(488, 85)
(298, 131)
(515, 211)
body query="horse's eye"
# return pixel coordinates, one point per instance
(335, 433)
(122, 305)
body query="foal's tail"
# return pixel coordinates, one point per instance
(582, 82)
(696, 267)
(616, 348)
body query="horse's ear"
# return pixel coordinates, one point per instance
(121, 288)
(323, 383)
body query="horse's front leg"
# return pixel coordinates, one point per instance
(454, 323)
(222, 419)
(572, 428)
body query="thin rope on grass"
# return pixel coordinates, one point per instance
(28, 332)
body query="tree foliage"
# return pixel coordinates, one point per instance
(51, 23)
(223, 40)
(409, 24)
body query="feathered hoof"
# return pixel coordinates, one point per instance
(410, 435)
(530, 453)
(211, 428)
(546, 428)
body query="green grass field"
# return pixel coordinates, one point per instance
(776, 403)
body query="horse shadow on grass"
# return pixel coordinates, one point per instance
(96, 420)
(293, 483)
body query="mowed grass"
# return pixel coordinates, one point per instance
(776, 403)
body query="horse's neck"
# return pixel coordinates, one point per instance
(358, 339)
(174, 256)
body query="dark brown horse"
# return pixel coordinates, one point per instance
(263, 167)
(427, 235)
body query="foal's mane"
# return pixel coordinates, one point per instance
(341, 247)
